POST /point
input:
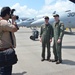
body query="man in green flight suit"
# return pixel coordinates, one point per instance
(46, 38)
(58, 28)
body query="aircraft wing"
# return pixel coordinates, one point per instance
(72, 1)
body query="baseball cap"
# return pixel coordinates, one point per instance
(46, 17)
(55, 15)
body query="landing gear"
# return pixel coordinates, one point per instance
(34, 35)
(70, 30)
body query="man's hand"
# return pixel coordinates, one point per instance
(13, 20)
(40, 39)
(59, 40)
(0, 18)
(50, 40)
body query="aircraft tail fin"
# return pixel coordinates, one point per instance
(72, 1)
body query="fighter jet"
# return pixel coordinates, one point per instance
(68, 17)
(25, 22)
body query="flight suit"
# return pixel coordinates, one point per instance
(58, 34)
(46, 35)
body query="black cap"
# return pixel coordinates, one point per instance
(55, 15)
(46, 17)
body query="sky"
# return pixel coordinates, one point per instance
(37, 8)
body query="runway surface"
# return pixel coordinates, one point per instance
(29, 56)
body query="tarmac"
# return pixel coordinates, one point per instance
(29, 56)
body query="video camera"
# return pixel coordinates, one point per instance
(12, 14)
(17, 17)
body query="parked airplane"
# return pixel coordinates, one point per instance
(25, 22)
(68, 17)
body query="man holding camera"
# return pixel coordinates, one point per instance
(5, 38)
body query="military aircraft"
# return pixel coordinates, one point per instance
(24, 22)
(68, 17)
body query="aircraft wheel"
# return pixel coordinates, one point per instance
(32, 37)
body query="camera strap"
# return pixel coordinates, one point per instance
(11, 37)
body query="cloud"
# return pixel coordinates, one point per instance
(60, 6)
(24, 11)
(50, 6)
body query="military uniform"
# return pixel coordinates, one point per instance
(46, 35)
(58, 28)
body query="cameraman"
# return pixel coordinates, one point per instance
(5, 40)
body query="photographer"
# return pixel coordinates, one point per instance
(7, 40)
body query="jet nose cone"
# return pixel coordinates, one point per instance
(37, 22)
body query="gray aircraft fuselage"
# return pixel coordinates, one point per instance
(68, 19)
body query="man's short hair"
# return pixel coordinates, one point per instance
(56, 15)
(46, 17)
(4, 11)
